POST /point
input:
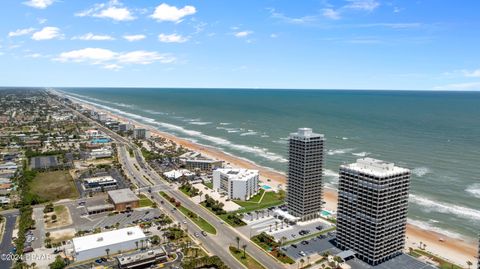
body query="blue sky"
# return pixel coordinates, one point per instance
(344, 44)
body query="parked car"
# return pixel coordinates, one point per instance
(294, 246)
(204, 233)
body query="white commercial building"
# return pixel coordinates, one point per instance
(239, 184)
(94, 245)
(101, 153)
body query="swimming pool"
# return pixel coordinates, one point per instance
(266, 187)
(100, 140)
(326, 213)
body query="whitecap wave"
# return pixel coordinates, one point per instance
(280, 142)
(332, 175)
(339, 151)
(474, 190)
(429, 226)
(249, 133)
(421, 171)
(200, 122)
(428, 205)
(260, 152)
(361, 154)
(224, 123)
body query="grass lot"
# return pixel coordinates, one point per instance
(209, 184)
(273, 249)
(54, 185)
(443, 263)
(203, 224)
(248, 261)
(145, 201)
(261, 200)
(63, 217)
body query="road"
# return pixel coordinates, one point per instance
(6, 244)
(217, 244)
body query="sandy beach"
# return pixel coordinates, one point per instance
(455, 250)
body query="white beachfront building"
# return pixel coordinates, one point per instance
(239, 184)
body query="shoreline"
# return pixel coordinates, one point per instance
(455, 250)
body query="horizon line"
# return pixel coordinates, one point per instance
(238, 88)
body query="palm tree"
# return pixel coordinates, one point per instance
(469, 263)
(33, 265)
(108, 252)
(308, 259)
(301, 263)
(141, 241)
(270, 227)
(238, 242)
(136, 243)
(282, 240)
(244, 247)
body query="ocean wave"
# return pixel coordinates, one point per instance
(339, 151)
(280, 141)
(200, 122)
(474, 190)
(102, 101)
(421, 171)
(224, 123)
(429, 226)
(361, 154)
(153, 112)
(249, 133)
(260, 152)
(264, 135)
(332, 175)
(428, 205)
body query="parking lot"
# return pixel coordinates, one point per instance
(266, 221)
(316, 245)
(123, 219)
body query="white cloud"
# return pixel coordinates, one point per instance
(34, 55)
(291, 20)
(367, 5)
(273, 35)
(144, 57)
(41, 4)
(41, 20)
(172, 38)
(47, 33)
(93, 55)
(91, 36)
(112, 10)
(165, 12)
(243, 34)
(331, 13)
(114, 60)
(460, 86)
(472, 74)
(132, 38)
(20, 32)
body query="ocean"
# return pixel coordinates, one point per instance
(435, 134)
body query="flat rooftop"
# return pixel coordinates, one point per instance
(99, 179)
(237, 173)
(375, 167)
(109, 238)
(141, 256)
(305, 133)
(402, 261)
(122, 196)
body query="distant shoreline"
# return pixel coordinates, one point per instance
(457, 250)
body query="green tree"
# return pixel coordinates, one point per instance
(59, 263)
(244, 246)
